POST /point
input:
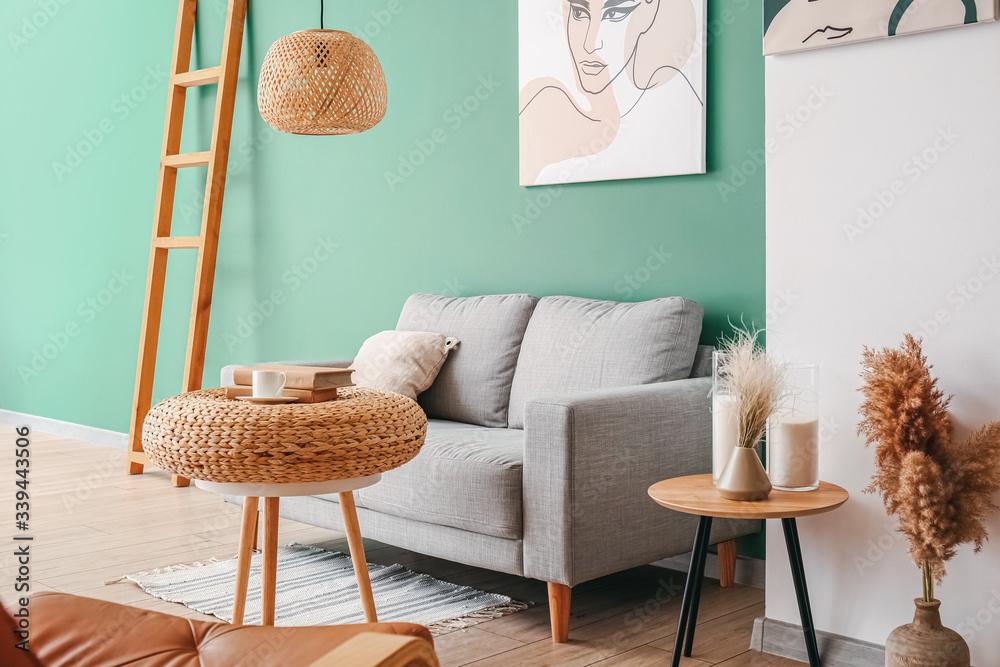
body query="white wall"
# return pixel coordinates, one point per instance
(865, 115)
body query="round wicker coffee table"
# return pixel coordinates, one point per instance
(269, 451)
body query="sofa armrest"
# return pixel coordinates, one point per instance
(589, 459)
(226, 378)
(375, 649)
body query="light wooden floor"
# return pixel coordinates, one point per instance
(91, 522)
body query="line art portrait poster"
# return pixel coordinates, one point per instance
(610, 89)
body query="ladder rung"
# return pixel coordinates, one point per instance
(139, 457)
(186, 160)
(199, 77)
(177, 242)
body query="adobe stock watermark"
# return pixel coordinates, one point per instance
(121, 108)
(85, 486)
(785, 128)
(636, 619)
(534, 205)
(87, 311)
(454, 287)
(34, 22)
(294, 277)
(972, 625)
(543, 197)
(715, 27)
(877, 547)
(780, 305)
(216, 528)
(454, 117)
(914, 168)
(633, 281)
(247, 151)
(912, 12)
(380, 20)
(960, 296)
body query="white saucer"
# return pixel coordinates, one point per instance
(268, 400)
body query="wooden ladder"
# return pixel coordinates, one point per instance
(207, 243)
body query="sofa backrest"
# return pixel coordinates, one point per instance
(574, 344)
(702, 367)
(475, 381)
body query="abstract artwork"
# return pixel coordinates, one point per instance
(796, 25)
(610, 89)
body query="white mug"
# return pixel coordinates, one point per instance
(268, 384)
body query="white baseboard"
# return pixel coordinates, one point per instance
(98, 436)
(749, 571)
(786, 640)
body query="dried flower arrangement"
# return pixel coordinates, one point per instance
(757, 380)
(940, 489)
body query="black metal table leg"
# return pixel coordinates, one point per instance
(698, 558)
(801, 592)
(700, 537)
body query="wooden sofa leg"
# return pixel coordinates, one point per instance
(559, 595)
(727, 563)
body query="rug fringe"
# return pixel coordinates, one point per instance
(165, 570)
(476, 617)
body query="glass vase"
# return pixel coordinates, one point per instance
(725, 420)
(793, 433)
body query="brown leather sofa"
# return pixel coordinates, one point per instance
(72, 631)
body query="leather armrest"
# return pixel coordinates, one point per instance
(69, 630)
(371, 649)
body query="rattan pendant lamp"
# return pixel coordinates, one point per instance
(321, 82)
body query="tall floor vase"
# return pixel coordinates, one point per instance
(925, 642)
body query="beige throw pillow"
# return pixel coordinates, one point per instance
(405, 362)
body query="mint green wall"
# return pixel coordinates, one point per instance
(74, 236)
(94, 80)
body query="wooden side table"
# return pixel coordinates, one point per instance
(272, 494)
(696, 494)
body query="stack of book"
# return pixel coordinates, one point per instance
(310, 384)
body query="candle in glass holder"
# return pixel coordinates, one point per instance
(725, 432)
(793, 453)
(793, 434)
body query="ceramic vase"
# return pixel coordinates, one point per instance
(744, 477)
(925, 642)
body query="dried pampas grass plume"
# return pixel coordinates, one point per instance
(903, 411)
(941, 490)
(757, 381)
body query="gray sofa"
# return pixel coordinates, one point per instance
(546, 425)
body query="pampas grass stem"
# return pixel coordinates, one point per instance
(757, 381)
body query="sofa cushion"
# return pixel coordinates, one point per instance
(404, 362)
(574, 344)
(465, 476)
(473, 385)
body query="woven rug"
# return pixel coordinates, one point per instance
(317, 587)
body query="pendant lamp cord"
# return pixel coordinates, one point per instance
(320, 14)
